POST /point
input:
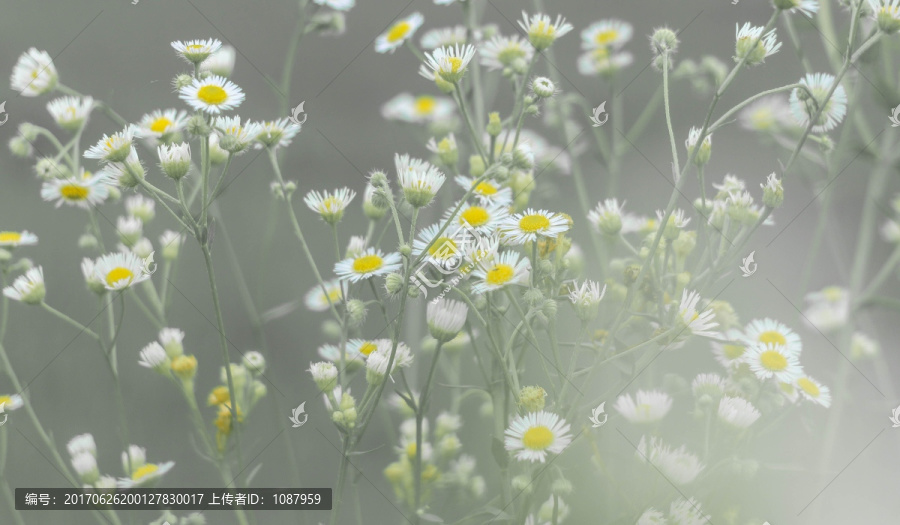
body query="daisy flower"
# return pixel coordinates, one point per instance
(696, 322)
(602, 61)
(446, 318)
(737, 412)
(652, 516)
(142, 474)
(372, 262)
(398, 33)
(70, 113)
(34, 73)
(586, 299)
(541, 31)
(119, 271)
(175, 159)
(862, 345)
(212, 95)
(708, 385)
(814, 391)
(703, 155)
(482, 219)
(771, 360)
(196, 51)
(154, 357)
(417, 110)
(220, 63)
(677, 465)
(450, 63)
(732, 353)
(607, 216)
(330, 206)
(324, 373)
(610, 33)
(532, 436)
(803, 109)
(767, 331)
(85, 466)
(807, 7)
(11, 402)
(887, 14)
(364, 347)
(277, 133)
(332, 353)
(505, 51)
(766, 114)
(646, 407)
(442, 37)
(113, 148)
(507, 268)
(828, 308)
(337, 5)
(486, 191)
(890, 231)
(27, 288)
(129, 229)
(419, 180)
(444, 251)
(445, 149)
(10, 239)
(521, 228)
(765, 45)
(83, 192)
(377, 362)
(141, 207)
(82, 444)
(161, 123)
(317, 301)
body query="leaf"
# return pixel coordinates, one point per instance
(499, 452)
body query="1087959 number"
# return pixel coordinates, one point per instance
(302, 498)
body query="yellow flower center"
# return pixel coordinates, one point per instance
(184, 363)
(411, 450)
(605, 37)
(537, 438)
(534, 223)
(485, 188)
(425, 105)
(212, 95)
(195, 47)
(773, 337)
(367, 263)
(334, 295)
(117, 274)
(144, 471)
(329, 204)
(510, 53)
(733, 351)
(160, 125)
(475, 215)
(219, 395)
(543, 29)
(399, 31)
(833, 293)
(4, 400)
(73, 192)
(772, 360)
(10, 236)
(455, 64)
(499, 274)
(367, 348)
(443, 248)
(809, 387)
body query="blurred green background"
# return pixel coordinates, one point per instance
(119, 52)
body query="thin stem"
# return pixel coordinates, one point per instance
(69, 320)
(476, 139)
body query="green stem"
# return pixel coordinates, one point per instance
(69, 320)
